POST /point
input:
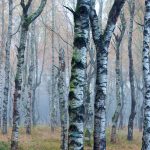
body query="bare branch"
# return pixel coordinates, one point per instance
(16, 30)
(22, 4)
(28, 4)
(142, 25)
(50, 29)
(112, 18)
(16, 6)
(70, 9)
(33, 16)
(40, 77)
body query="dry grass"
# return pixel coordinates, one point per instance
(122, 143)
(42, 139)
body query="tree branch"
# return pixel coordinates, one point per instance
(28, 4)
(33, 16)
(16, 30)
(50, 29)
(112, 19)
(22, 4)
(142, 25)
(70, 9)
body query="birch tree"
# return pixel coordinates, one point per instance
(100, 15)
(146, 75)
(131, 70)
(78, 75)
(121, 123)
(91, 74)
(26, 20)
(37, 77)
(1, 57)
(118, 40)
(62, 100)
(7, 68)
(30, 85)
(53, 69)
(102, 42)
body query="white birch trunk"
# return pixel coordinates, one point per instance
(146, 75)
(7, 69)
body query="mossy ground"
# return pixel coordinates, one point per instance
(43, 139)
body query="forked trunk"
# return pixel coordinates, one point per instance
(102, 43)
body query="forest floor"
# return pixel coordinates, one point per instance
(42, 139)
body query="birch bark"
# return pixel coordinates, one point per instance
(146, 75)
(7, 69)
(62, 101)
(131, 71)
(102, 43)
(26, 20)
(78, 76)
(118, 40)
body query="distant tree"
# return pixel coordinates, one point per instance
(121, 123)
(131, 4)
(118, 40)
(91, 74)
(37, 77)
(53, 108)
(62, 101)
(7, 68)
(30, 79)
(1, 56)
(26, 20)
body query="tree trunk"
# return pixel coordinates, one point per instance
(35, 85)
(146, 75)
(88, 115)
(25, 22)
(62, 101)
(121, 124)
(1, 57)
(18, 83)
(91, 73)
(100, 15)
(78, 76)
(29, 101)
(24, 93)
(118, 98)
(141, 118)
(53, 70)
(7, 69)
(30, 81)
(102, 43)
(118, 40)
(33, 107)
(131, 73)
